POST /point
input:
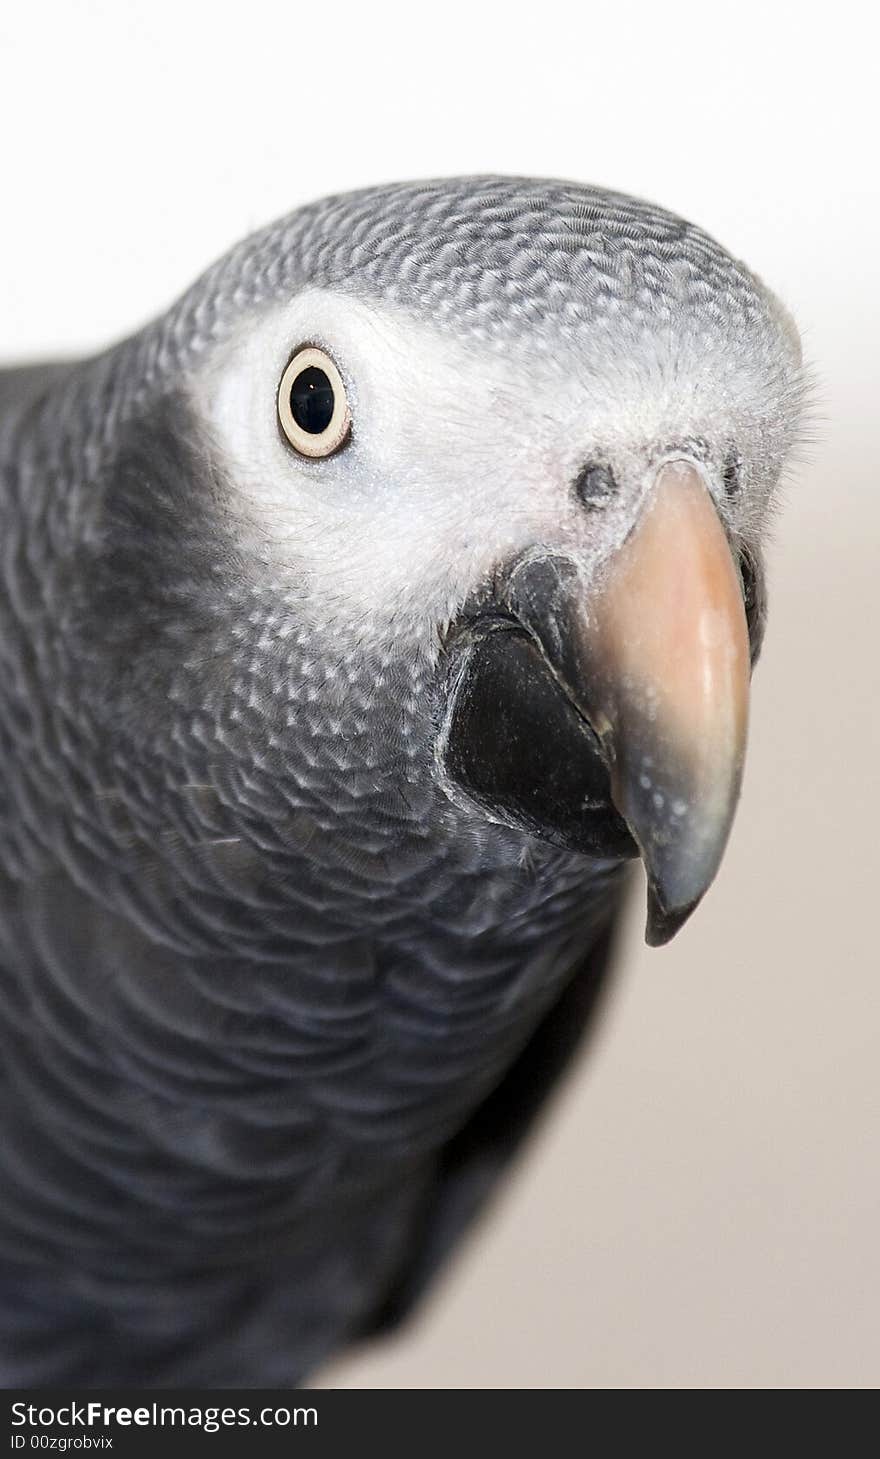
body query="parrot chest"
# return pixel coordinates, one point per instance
(193, 1102)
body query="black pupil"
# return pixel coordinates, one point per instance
(311, 400)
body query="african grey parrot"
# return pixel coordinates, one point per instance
(361, 618)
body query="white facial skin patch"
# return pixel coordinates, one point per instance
(460, 456)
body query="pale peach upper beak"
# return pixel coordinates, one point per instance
(665, 653)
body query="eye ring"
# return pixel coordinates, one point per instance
(312, 405)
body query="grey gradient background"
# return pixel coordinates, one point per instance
(700, 1206)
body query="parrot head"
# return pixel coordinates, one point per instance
(525, 436)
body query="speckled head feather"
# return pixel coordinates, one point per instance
(491, 257)
(502, 260)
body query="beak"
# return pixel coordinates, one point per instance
(656, 660)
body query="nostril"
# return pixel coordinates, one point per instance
(594, 485)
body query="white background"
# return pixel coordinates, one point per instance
(702, 1205)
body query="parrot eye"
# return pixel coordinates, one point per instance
(312, 406)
